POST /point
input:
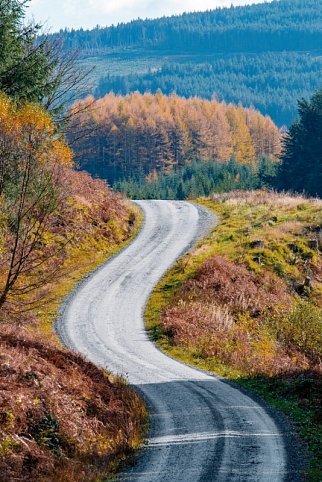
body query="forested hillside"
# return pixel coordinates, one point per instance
(276, 26)
(139, 134)
(267, 55)
(297, 169)
(266, 80)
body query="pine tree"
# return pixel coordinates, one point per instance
(301, 168)
(27, 63)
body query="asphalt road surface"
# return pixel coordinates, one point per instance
(201, 428)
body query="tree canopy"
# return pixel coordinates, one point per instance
(33, 65)
(267, 55)
(133, 135)
(27, 64)
(199, 178)
(275, 26)
(301, 169)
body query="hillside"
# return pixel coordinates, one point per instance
(266, 55)
(246, 303)
(61, 418)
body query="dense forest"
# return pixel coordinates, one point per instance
(267, 55)
(276, 26)
(270, 82)
(134, 135)
(201, 178)
(299, 169)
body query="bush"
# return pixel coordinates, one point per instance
(301, 328)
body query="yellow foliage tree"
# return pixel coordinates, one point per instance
(243, 147)
(32, 162)
(161, 132)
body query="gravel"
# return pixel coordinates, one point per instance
(201, 428)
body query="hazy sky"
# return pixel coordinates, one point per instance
(89, 13)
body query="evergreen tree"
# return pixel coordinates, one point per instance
(199, 178)
(27, 63)
(180, 194)
(34, 67)
(301, 168)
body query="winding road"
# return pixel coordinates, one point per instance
(202, 428)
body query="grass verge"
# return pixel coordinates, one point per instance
(246, 304)
(83, 261)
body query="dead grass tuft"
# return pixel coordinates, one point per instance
(259, 197)
(223, 312)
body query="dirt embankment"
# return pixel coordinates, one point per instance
(61, 418)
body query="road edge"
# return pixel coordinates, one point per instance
(297, 450)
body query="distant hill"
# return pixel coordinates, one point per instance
(267, 55)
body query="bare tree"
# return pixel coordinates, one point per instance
(69, 80)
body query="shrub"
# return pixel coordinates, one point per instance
(301, 328)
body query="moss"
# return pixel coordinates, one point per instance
(9, 445)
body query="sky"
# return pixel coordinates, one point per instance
(57, 14)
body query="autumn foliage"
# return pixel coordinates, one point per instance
(32, 161)
(61, 418)
(27, 133)
(47, 209)
(250, 295)
(139, 133)
(224, 310)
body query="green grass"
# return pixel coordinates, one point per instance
(277, 224)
